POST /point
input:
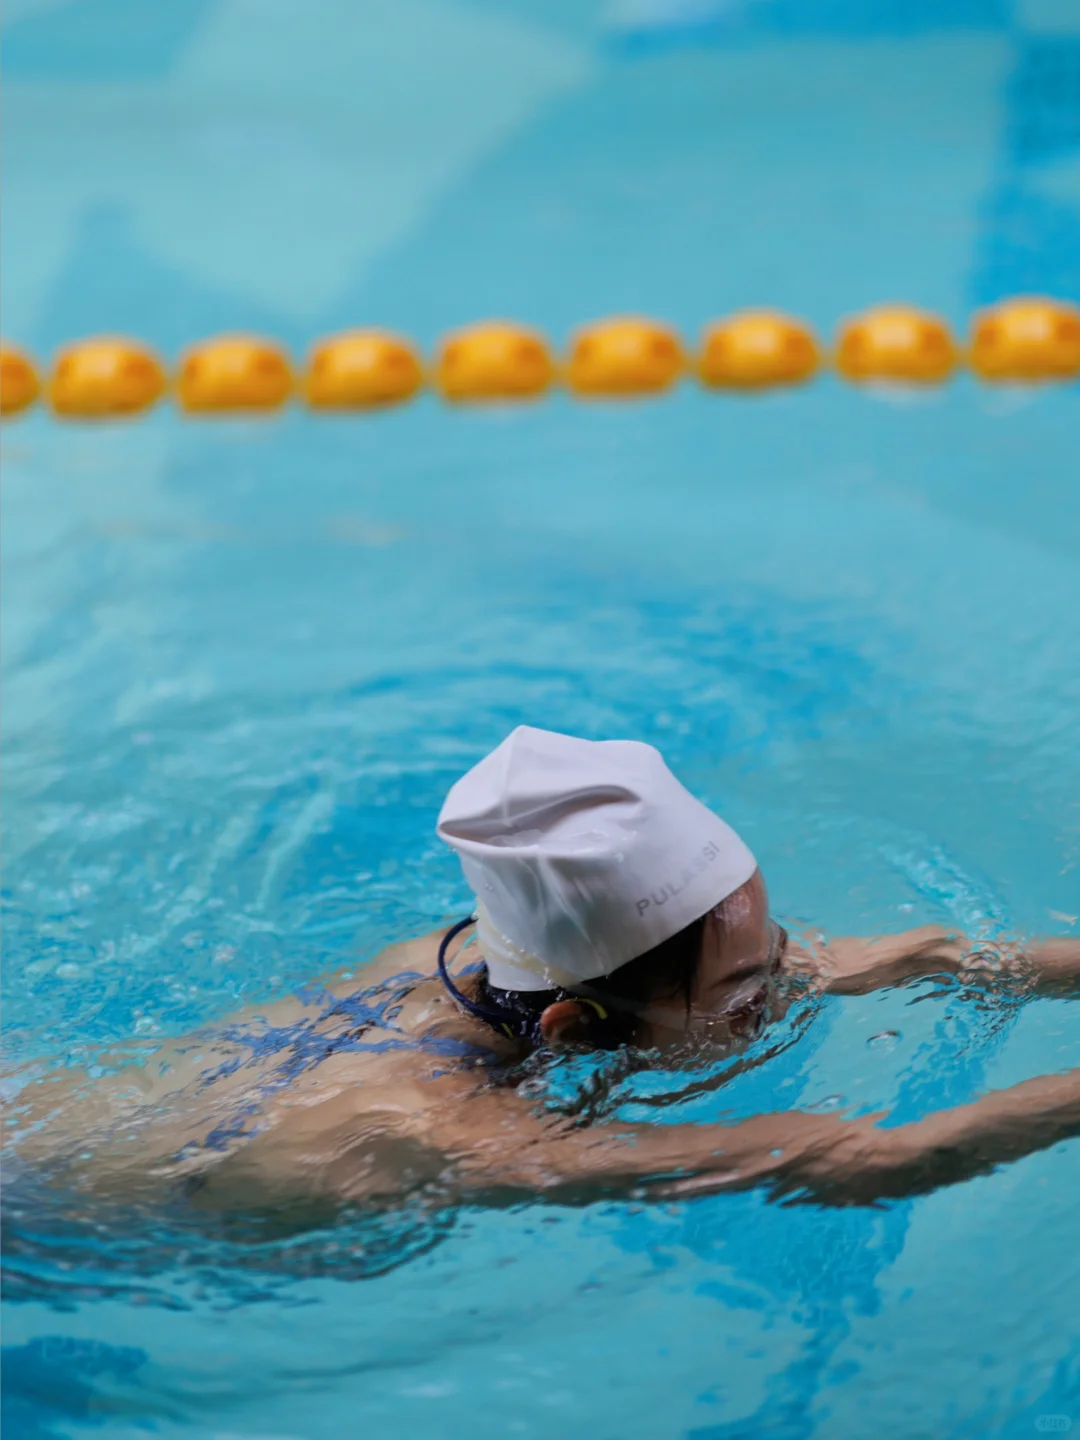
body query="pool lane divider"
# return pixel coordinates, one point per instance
(1021, 341)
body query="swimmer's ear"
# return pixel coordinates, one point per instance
(566, 1023)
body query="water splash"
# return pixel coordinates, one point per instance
(936, 877)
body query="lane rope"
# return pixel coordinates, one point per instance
(1026, 340)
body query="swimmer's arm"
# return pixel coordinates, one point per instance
(826, 1158)
(853, 966)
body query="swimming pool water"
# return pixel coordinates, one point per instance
(243, 662)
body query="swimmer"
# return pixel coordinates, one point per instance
(613, 909)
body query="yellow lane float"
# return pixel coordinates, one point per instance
(1021, 340)
(361, 370)
(755, 349)
(19, 383)
(625, 356)
(105, 378)
(1027, 339)
(234, 373)
(494, 360)
(898, 343)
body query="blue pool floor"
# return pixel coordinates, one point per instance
(243, 662)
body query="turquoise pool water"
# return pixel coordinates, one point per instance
(243, 662)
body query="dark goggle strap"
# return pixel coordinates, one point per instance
(490, 1014)
(515, 1024)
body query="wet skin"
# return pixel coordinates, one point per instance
(350, 1100)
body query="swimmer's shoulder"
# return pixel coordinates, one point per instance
(416, 957)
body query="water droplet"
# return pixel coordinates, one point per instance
(884, 1040)
(831, 1102)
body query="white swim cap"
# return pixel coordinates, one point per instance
(583, 854)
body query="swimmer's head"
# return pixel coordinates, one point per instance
(612, 904)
